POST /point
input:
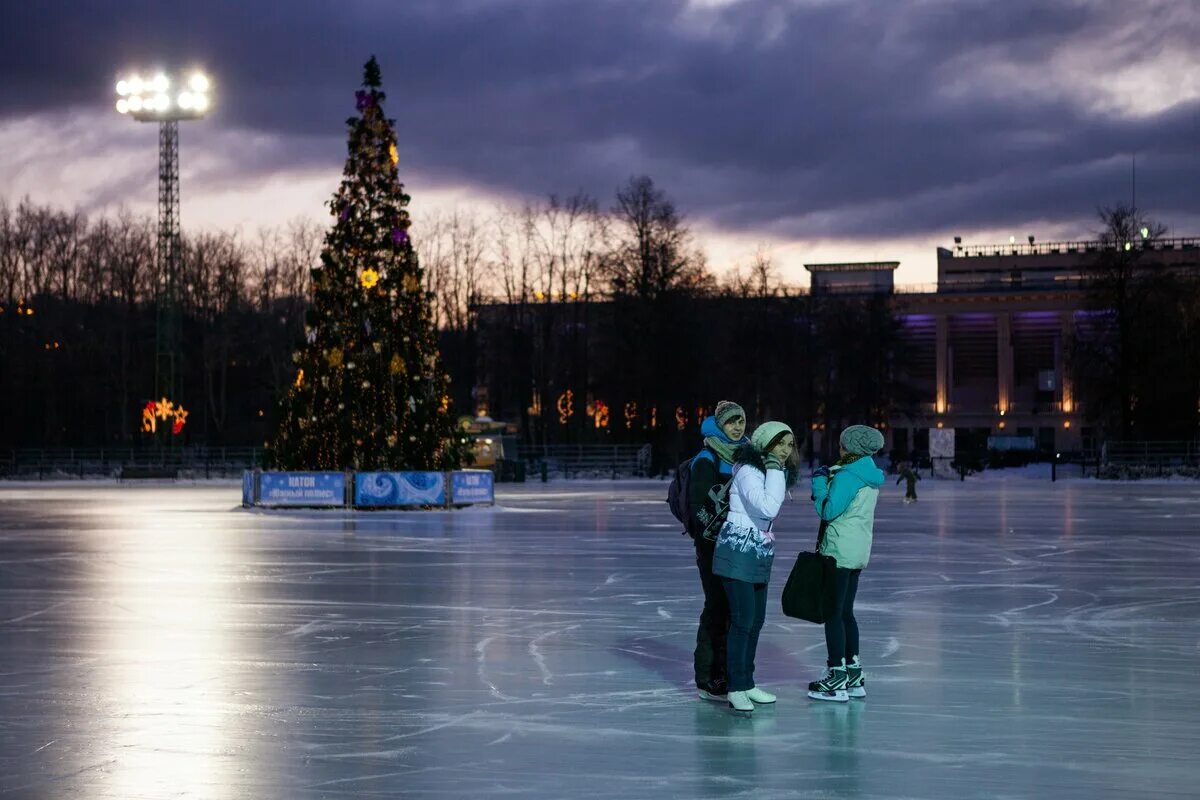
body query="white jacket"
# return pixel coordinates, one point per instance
(755, 498)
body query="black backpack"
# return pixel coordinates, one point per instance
(680, 490)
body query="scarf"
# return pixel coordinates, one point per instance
(723, 447)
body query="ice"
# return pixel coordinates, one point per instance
(1022, 639)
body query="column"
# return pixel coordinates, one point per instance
(942, 397)
(1004, 362)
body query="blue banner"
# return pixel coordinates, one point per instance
(248, 488)
(399, 489)
(472, 486)
(302, 489)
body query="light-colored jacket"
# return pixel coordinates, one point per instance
(745, 548)
(756, 497)
(846, 501)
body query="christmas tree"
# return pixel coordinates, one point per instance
(368, 392)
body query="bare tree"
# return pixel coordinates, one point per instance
(655, 253)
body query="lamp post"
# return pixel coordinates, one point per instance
(167, 100)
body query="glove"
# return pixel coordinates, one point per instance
(821, 472)
(774, 462)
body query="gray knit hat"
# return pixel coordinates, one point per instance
(727, 410)
(861, 440)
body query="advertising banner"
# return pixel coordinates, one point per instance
(302, 489)
(472, 486)
(248, 488)
(399, 489)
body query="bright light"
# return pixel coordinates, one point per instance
(199, 82)
(1012, 240)
(161, 84)
(162, 102)
(135, 103)
(200, 102)
(122, 106)
(185, 100)
(122, 87)
(1145, 232)
(135, 85)
(1128, 245)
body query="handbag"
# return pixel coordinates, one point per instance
(809, 593)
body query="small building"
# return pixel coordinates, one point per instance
(872, 277)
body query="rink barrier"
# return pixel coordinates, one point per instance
(368, 490)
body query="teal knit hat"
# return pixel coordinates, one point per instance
(767, 433)
(861, 440)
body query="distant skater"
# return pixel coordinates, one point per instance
(845, 496)
(910, 478)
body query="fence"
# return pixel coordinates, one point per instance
(128, 462)
(1150, 459)
(585, 461)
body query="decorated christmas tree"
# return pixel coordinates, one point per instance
(368, 392)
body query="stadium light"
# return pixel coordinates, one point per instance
(167, 100)
(163, 98)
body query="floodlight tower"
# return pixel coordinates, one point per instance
(167, 100)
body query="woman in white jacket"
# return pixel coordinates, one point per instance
(763, 471)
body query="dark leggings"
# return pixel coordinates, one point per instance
(841, 629)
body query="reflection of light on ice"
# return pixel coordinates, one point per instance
(164, 662)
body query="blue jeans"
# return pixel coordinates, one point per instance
(747, 612)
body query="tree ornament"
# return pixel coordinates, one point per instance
(397, 365)
(334, 358)
(393, 153)
(377, 346)
(411, 285)
(368, 278)
(399, 236)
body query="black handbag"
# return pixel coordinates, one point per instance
(809, 591)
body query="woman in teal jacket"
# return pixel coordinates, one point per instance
(845, 496)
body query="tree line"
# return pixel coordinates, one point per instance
(615, 304)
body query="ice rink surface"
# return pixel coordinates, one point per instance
(1022, 639)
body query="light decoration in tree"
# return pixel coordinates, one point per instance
(299, 379)
(630, 415)
(566, 406)
(601, 415)
(654, 417)
(163, 410)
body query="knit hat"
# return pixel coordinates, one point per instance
(727, 410)
(767, 433)
(861, 440)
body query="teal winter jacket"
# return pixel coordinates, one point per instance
(846, 501)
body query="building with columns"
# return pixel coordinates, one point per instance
(987, 344)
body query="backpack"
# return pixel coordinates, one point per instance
(679, 494)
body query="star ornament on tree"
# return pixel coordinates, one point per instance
(369, 278)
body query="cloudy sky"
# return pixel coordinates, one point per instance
(819, 130)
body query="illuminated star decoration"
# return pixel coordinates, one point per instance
(369, 278)
(163, 410)
(393, 153)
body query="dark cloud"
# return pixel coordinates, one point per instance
(802, 118)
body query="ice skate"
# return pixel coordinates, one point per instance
(856, 685)
(738, 701)
(832, 687)
(760, 697)
(714, 690)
